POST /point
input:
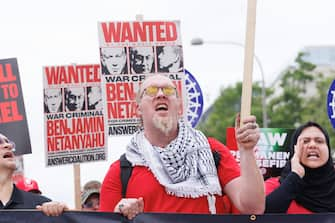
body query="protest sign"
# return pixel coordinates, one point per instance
(272, 149)
(13, 121)
(130, 51)
(73, 114)
(331, 103)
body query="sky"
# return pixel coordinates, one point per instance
(44, 33)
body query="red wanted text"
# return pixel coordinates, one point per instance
(72, 74)
(139, 31)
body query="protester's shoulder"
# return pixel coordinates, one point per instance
(217, 145)
(228, 168)
(35, 199)
(115, 166)
(113, 175)
(223, 150)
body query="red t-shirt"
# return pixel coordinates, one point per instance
(143, 183)
(273, 183)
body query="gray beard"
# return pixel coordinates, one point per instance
(164, 124)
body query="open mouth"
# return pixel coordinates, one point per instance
(161, 107)
(313, 155)
(8, 155)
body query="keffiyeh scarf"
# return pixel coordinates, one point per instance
(185, 167)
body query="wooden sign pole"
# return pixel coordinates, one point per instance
(77, 187)
(248, 60)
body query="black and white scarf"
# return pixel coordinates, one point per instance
(185, 167)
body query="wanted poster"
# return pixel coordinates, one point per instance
(73, 114)
(129, 52)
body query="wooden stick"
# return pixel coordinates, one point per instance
(77, 187)
(248, 60)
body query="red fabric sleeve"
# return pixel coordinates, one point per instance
(228, 168)
(110, 193)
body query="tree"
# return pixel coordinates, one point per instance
(295, 105)
(285, 109)
(224, 110)
(290, 107)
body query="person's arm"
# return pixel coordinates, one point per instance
(111, 196)
(280, 199)
(247, 191)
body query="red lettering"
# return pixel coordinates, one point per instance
(52, 144)
(74, 126)
(110, 32)
(171, 31)
(93, 74)
(139, 31)
(120, 91)
(56, 75)
(10, 90)
(75, 142)
(50, 129)
(150, 31)
(112, 110)
(127, 35)
(57, 127)
(59, 143)
(6, 75)
(9, 112)
(50, 73)
(138, 28)
(122, 110)
(72, 74)
(160, 32)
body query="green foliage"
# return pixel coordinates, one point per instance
(225, 108)
(296, 105)
(286, 109)
(288, 106)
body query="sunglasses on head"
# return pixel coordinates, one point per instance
(153, 90)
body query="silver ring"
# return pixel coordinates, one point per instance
(254, 126)
(120, 207)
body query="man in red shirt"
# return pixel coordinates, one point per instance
(173, 165)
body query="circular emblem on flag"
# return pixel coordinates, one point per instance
(195, 100)
(331, 103)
